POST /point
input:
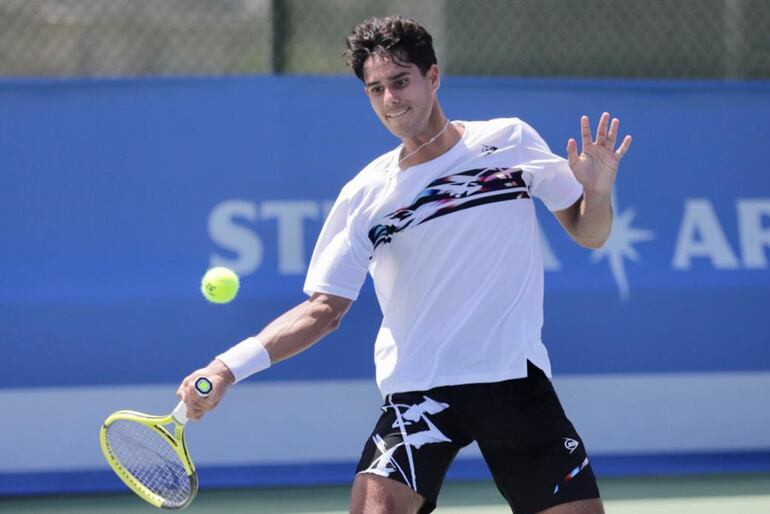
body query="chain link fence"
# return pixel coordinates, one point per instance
(545, 38)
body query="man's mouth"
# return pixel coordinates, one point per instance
(398, 114)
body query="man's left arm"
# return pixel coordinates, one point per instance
(589, 219)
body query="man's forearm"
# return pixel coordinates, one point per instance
(288, 335)
(592, 221)
(298, 329)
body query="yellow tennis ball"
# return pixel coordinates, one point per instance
(220, 285)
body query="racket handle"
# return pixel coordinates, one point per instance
(203, 387)
(180, 413)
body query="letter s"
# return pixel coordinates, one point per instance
(243, 242)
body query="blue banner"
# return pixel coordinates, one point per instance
(117, 196)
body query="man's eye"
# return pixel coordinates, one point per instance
(375, 90)
(402, 82)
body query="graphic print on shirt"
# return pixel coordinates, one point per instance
(413, 416)
(450, 194)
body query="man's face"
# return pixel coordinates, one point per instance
(400, 95)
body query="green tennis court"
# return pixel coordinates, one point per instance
(709, 494)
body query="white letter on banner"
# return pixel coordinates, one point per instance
(226, 233)
(701, 235)
(291, 235)
(754, 239)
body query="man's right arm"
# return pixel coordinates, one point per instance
(303, 326)
(289, 334)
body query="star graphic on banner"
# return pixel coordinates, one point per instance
(620, 246)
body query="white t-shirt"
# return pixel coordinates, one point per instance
(453, 249)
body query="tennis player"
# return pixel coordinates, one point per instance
(445, 225)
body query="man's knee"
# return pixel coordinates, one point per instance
(373, 494)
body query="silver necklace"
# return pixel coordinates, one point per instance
(429, 141)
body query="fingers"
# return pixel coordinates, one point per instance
(585, 131)
(197, 405)
(572, 155)
(623, 147)
(180, 391)
(613, 135)
(185, 392)
(601, 130)
(606, 135)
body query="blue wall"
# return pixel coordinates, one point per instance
(116, 196)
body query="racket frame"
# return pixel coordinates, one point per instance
(176, 440)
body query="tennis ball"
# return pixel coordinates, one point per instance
(220, 285)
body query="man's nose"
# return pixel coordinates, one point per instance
(389, 96)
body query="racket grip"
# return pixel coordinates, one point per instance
(180, 413)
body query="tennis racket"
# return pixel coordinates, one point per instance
(151, 459)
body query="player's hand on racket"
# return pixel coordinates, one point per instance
(221, 378)
(597, 164)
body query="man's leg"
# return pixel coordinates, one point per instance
(536, 457)
(373, 494)
(592, 506)
(406, 457)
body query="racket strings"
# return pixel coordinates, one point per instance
(150, 459)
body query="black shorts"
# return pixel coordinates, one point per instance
(536, 457)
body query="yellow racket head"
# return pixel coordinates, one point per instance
(150, 459)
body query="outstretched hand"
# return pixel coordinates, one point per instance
(597, 165)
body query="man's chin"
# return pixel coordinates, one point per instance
(402, 130)
(397, 130)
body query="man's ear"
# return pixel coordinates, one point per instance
(435, 76)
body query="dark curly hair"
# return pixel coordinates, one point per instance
(399, 39)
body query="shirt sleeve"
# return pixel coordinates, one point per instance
(341, 256)
(551, 178)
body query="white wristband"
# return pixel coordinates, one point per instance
(246, 358)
